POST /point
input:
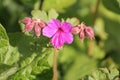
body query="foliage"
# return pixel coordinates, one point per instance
(25, 57)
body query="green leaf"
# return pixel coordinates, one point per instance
(75, 64)
(10, 71)
(7, 52)
(3, 37)
(3, 34)
(80, 69)
(46, 74)
(33, 56)
(40, 14)
(10, 56)
(52, 14)
(74, 21)
(33, 68)
(103, 74)
(113, 5)
(43, 15)
(28, 53)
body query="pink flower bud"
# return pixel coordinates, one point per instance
(75, 30)
(82, 35)
(42, 24)
(27, 20)
(35, 20)
(82, 26)
(29, 27)
(37, 31)
(35, 24)
(89, 32)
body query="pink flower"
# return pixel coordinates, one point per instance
(35, 24)
(59, 32)
(83, 31)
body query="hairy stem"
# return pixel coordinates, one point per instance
(91, 43)
(41, 4)
(55, 65)
(96, 11)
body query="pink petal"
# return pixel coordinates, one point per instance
(48, 31)
(57, 40)
(37, 31)
(67, 37)
(29, 27)
(66, 27)
(52, 28)
(54, 23)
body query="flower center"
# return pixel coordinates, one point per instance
(60, 29)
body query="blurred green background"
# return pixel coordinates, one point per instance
(91, 60)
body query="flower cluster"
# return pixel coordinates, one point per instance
(35, 24)
(83, 31)
(59, 32)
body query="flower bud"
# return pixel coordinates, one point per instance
(27, 20)
(89, 32)
(75, 30)
(29, 27)
(82, 26)
(37, 31)
(42, 24)
(82, 35)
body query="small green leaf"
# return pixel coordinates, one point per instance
(52, 14)
(43, 15)
(40, 14)
(74, 21)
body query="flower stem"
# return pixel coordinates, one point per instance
(41, 4)
(96, 11)
(91, 43)
(55, 65)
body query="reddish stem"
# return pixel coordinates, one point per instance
(91, 43)
(55, 65)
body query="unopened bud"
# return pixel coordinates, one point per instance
(75, 30)
(27, 20)
(29, 27)
(37, 31)
(42, 24)
(89, 32)
(82, 35)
